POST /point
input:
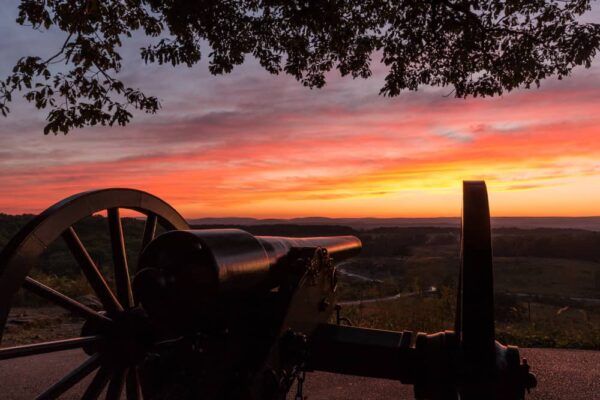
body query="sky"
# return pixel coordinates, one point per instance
(258, 145)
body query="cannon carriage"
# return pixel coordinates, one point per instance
(223, 314)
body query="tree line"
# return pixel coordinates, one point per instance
(377, 242)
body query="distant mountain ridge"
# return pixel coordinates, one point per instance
(587, 223)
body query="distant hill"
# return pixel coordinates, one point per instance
(356, 223)
(587, 223)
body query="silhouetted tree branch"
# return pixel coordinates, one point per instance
(478, 48)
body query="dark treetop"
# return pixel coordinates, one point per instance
(478, 48)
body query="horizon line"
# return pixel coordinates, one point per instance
(357, 218)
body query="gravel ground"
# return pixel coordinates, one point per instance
(562, 374)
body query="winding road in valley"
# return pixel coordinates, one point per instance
(345, 272)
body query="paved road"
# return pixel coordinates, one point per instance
(562, 374)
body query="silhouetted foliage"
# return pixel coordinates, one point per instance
(479, 48)
(93, 232)
(10, 225)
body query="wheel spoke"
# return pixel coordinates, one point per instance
(117, 240)
(47, 347)
(133, 388)
(458, 316)
(71, 379)
(91, 272)
(98, 383)
(117, 381)
(61, 300)
(479, 354)
(149, 230)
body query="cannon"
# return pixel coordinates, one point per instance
(223, 314)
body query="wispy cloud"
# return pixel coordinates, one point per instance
(461, 137)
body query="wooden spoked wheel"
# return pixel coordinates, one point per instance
(475, 309)
(116, 338)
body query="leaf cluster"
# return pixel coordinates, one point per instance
(475, 47)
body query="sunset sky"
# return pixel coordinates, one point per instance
(254, 144)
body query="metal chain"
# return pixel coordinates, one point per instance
(300, 386)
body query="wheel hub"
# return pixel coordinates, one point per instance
(127, 340)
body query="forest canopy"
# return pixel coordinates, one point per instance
(474, 47)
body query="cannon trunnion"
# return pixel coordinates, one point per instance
(223, 314)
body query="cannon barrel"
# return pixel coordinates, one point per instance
(198, 266)
(338, 247)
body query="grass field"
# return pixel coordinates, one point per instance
(535, 303)
(548, 276)
(554, 321)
